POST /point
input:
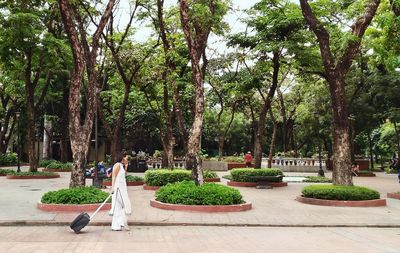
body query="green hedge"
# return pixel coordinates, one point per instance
(162, 177)
(36, 173)
(339, 192)
(8, 159)
(187, 193)
(312, 179)
(244, 175)
(128, 178)
(7, 172)
(59, 165)
(209, 174)
(43, 163)
(80, 195)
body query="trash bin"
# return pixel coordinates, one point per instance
(142, 165)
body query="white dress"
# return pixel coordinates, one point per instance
(120, 205)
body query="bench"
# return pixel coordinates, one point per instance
(264, 182)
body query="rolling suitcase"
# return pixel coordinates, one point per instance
(83, 219)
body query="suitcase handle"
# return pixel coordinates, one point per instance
(98, 209)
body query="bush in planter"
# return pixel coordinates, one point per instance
(162, 177)
(233, 159)
(43, 163)
(8, 159)
(187, 193)
(80, 195)
(313, 179)
(209, 174)
(128, 178)
(36, 173)
(339, 192)
(59, 166)
(4, 172)
(245, 175)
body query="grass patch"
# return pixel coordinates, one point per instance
(187, 193)
(80, 195)
(339, 192)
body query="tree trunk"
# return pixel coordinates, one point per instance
(221, 141)
(341, 134)
(47, 132)
(371, 150)
(79, 156)
(272, 145)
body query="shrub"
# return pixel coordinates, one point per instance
(8, 159)
(6, 172)
(229, 177)
(209, 174)
(59, 165)
(36, 173)
(187, 193)
(312, 179)
(162, 177)
(244, 175)
(80, 195)
(234, 159)
(128, 178)
(390, 171)
(339, 192)
(43, 163)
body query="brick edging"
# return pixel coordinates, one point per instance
(209, 180)
(33, 177)
(366, 175)
(343, 203)
(138, 183)
(393, 195)
(71, 208)
(197, 208)
(253, 184)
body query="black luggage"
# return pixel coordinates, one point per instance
(83, 219)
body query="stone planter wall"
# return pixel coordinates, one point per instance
(208, 209)
(325, 202)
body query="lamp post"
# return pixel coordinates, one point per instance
(17, 114)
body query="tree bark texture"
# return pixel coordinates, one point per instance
(262, 115)
(84, 57)
(335, 74)
(273, 139)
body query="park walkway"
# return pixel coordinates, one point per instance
(273, 207)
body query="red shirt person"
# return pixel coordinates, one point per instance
(248, 159)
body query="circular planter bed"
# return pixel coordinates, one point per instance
(71, 208)
(23, 175)
(150, 188)
(199, 208)
(74, 200)
(253, 184)
(348, 203)
(108, 183)
(393, 195)
(56, 170)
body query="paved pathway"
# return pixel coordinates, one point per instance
(274, 207)
(156, 239)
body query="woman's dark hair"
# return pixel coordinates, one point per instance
(121, 156)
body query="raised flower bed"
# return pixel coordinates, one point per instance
(33, 175)
(130, 181)
(338, 195)
(186, 196)
(5, 172)
(248, 177)
(393, 195)
(74, 200)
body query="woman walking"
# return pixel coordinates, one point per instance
(121, 205)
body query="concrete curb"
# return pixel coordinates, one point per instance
(194, 224)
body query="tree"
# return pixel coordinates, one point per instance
(198, 18)
(335, 71)
(84, 57)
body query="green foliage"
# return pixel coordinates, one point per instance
(390, 171)
(209, 174)
(244, 175)
(228, 177)
(313, 179)
(80, 195)
(187, 193)
(8, 159)
(6, 172)
(164, 176)
(339, 192)
(59, 165)
(43, 163)
(234, 159)
(36, 173)
(128, 178)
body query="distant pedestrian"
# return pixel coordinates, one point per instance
(355, 168)
(121, 205)
(248, 158)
